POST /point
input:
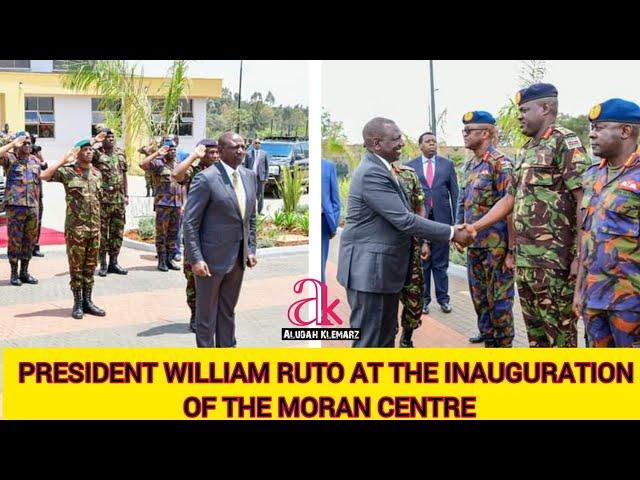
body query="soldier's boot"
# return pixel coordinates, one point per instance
(162, 262)
(147, 191)
(15, 280)
(88, 306)
(77, 312)
(114, 267)
(103, 265)
(169, 262)
(36, 252)
(405, 340)
(192, 321)
(25, 277)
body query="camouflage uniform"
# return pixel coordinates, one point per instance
(167, 205)
(82, 224)
(112, 200)
(191, 172)
(611, 254)
(490, 282)
(22, 196)
(545, 174)
(411, 295)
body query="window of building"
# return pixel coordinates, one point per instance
(39, 116)
(15, 64)
(185, 117)
(63, 65)
(99, 114)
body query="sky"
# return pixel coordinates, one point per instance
(286, 79)
(356, 91)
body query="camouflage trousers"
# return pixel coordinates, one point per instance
(22, 230)
(491, 288)
(191, 285)
(167, 224)
(612, 328)
(411, 295)
(82, 253)
(112, 221)
(546, 297)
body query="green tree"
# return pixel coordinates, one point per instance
(334, 143)
(578, 124)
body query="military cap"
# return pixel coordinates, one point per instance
(108, 131)
(207, 142)
(536, 92)
(169, 143)
(615, 110)
(478, 116)
(21, 133)
(83, 143)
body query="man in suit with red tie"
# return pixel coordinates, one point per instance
(438, 177)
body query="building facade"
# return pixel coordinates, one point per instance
(32, 98)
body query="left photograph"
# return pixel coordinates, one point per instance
(151, 203)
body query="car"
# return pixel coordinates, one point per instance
(285, 152)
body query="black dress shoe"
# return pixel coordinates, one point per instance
(36, 252)
(446, 308)
(491, 343)
(425, 310)
(477, 339)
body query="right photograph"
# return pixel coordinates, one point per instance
(489, 204)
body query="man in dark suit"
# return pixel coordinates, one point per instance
(330, 209)
(258, 161)
(438, 177)
(376, 244)
(220, 238)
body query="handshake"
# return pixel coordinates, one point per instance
(463, 235)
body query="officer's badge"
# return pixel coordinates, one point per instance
(594, 113)
(468, 116)
(518, 98)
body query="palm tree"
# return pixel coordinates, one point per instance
(123, 92)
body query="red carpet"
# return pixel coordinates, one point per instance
(47, 237)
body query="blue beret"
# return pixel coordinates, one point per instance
(108, 131)
(169, 143)
(207, 142)
(83, 143)
(21, 133)
(615, 110)
(536, 92)
(479, 116)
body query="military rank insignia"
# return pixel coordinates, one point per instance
(594, 113)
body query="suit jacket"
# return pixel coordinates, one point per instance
(330, 195)
(375, 245)
(214, 230)
(443, 191)
(263, 163)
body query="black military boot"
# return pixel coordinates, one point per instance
(24, 273)
(15, 280)
(169, 261)
(147, 191)
(103, 265)
(88, 306)
(192, 321)
(162, 262)
(405, 340)
(77, 304)
(36, 252)
(114, 267)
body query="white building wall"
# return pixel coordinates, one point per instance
(44, 66)
(73, 123)
(199, 125)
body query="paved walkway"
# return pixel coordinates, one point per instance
(438, 329)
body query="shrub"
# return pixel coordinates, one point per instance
(290, 188)
(302, 222)
(147, 227)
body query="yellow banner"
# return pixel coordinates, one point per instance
(271, 384)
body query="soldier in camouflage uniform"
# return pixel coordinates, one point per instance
(167, 203)
(608, 291)
(411, 294)
(545, 191)
(82, 184)
(22, 192)
(490, 271)
(112, 164)
(205, 155)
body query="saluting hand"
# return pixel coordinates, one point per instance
(200, 151)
